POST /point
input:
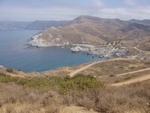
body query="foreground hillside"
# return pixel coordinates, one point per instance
(40, 95)
(93, 88)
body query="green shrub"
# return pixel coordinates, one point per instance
(111, 75)
(117, 81)
(79, 82)
(2, 75)
(63, 85)
(127, 78)
(19, 69)
(9, 70)
(5, 78)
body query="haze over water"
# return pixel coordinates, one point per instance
(14, 53)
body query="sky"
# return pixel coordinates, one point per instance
(29, 10)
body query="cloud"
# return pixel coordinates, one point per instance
(114, 13)
(99, 3)
(137, 3)
(69, 9)
(130, 2)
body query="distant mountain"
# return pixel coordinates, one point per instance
(36, 25)
(146, 21)
(40, 25)
(90, 30)
(13, 24)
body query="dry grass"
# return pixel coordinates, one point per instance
(133, 98)
(16, 99)
(114, 78)
(115, 67)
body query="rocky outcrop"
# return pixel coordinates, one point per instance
(103, 51)
(50, 41)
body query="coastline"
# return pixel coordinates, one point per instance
(103, 51)
(115, 49)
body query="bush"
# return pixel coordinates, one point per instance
(111, 75)
(82, 91)
(125, 99)
(79, 82)
(127, 78)
(9, 70)
(63, 85)
(5, 78)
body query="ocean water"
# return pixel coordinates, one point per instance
(14, 53)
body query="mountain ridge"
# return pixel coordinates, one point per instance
(91, 30)
(145, 21)
(33, 25)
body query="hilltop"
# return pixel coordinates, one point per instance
(91, 30)
(32, 25)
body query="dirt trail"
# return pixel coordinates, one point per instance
(76, 109)
(139, 79)
(14, 75)
(89, 65)
(141, 50)
(132, 72)
(81, 69)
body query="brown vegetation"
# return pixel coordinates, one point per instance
(114, 67)
(16, 98)
(85, 94)
(123, 99)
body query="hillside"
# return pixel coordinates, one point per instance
(90, 30)
(145, 21)
(35, 25)
(12, 24)
(58, 93)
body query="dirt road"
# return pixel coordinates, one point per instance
(14, 75)
(81, 69)
(89, 65)
(132, 72)
(138, 79)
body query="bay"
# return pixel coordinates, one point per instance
(14, 53)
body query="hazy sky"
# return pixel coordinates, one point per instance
(26, 10)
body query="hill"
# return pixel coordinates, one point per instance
(102, 93)
(12, 24)
(145, 21)
(90, 30)
(41, 25)
(35, 25)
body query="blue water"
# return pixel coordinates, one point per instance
(14, 53)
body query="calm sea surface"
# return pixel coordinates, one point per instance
(14, 53)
